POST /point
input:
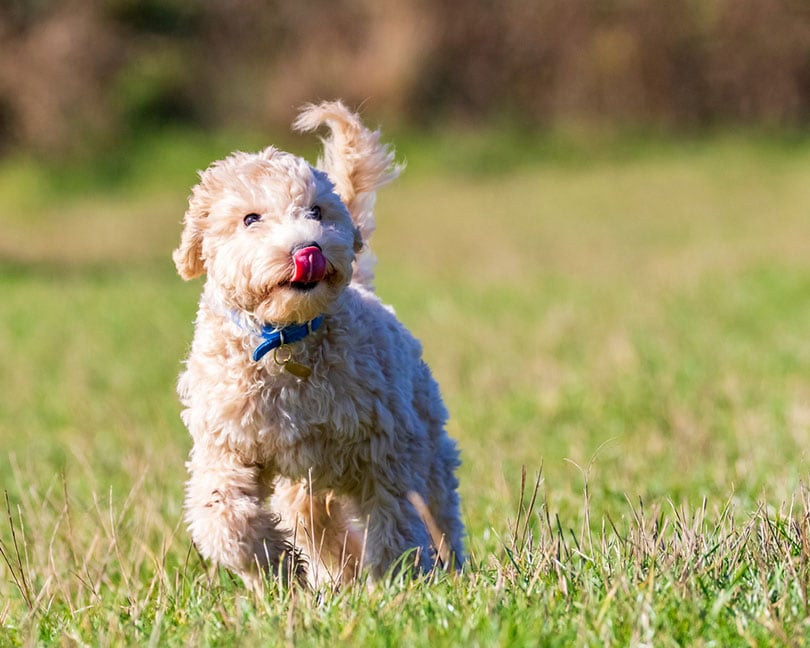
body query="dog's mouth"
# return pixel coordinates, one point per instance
(303, 286)
(309, 267)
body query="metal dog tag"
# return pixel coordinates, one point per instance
(283, 357)
(298, 370)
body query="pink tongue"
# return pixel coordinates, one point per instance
(310, 265)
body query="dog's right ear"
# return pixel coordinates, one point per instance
(188, 257)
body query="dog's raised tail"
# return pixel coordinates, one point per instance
(357, 162)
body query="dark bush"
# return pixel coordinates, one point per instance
(79, 72)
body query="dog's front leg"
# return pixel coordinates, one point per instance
(228, 520)
(395, 533)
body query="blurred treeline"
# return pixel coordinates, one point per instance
(76, 74)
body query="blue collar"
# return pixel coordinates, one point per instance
(273, 337)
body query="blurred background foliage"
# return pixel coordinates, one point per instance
(79, 76)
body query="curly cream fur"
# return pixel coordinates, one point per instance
(358, 165)
(312, 477)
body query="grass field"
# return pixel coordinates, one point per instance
(626, 329)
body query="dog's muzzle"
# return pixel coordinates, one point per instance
(309, 264)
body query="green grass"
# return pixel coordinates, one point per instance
(633, 326)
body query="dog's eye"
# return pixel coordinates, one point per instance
(314, 212)
(251, 218)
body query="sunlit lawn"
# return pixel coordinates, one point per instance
(637, 326)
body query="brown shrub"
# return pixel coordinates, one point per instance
(78, 71)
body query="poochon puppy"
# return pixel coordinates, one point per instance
(319, 432)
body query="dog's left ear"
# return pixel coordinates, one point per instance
(358, 240)
(188, 257)
(353, 157)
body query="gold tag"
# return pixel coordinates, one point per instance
(298, 370)
(283, 357)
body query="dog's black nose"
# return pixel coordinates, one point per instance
(301, 246)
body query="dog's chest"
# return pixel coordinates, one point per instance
(312, 428)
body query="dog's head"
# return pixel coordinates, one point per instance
(271, 233)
